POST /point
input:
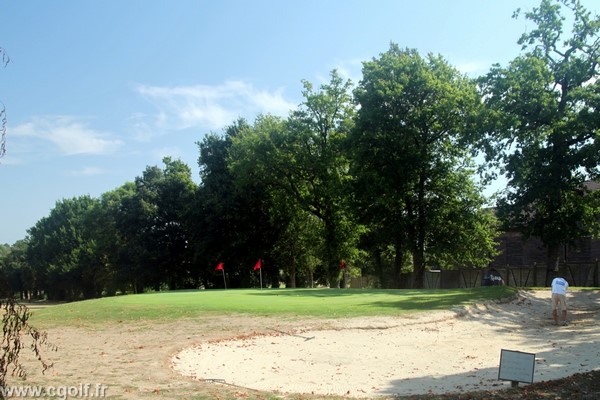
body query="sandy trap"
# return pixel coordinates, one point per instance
(437, 352)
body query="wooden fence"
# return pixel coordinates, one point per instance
(577, 274)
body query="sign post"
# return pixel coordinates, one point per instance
(516, 366)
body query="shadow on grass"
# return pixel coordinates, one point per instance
(485, 292)
(401, 299)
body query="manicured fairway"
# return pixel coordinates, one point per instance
(319, 303)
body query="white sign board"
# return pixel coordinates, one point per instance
(516, 366)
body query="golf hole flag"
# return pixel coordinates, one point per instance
(220, 268)
(258, 266)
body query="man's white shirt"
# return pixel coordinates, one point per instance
(559, 286)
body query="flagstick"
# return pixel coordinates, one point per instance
(224, 281)
(346, 277)
(260, 271)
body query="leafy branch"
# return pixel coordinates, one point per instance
(16, 327)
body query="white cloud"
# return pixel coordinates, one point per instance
(473, 68)
(212, 107)
(70, 135)
(87, 171)
(173, 152)
(349, 69)
(141, 128)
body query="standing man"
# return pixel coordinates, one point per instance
(559, 299)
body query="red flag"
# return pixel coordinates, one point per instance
(257, 265)
(343, 265)
(219, 267)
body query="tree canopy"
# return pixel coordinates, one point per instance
(411, 160)
(380, 175)
(543, 126)
(301, 162)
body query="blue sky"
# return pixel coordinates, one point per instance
(96, 91)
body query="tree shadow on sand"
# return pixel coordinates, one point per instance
(560, 351)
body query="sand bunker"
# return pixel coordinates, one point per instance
(437, 352)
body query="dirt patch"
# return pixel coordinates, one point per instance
(438, 352)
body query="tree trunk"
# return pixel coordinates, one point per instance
(418, 268)
(552, 262)
(379, 268)
(293, 273)
(398, 265)
(332, 258)
(419, 253)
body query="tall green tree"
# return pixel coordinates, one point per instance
(320, 127)
(544, 126)
(232, 223)
(411, 161)
(113, 246)
(135, 223)
(212, 208)
(302, 159)
(172, 229)
(16, 270)
(126, 216)
(153, 223)
(61, 250)
(262, 154)
(21, 277)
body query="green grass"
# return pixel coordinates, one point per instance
(318, 303)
